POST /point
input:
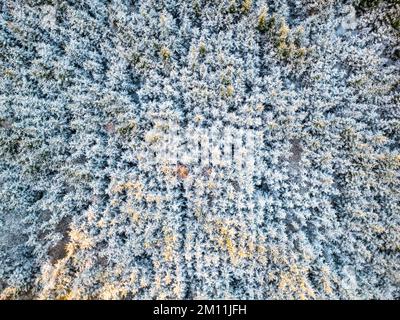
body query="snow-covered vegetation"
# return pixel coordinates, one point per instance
(308, 208)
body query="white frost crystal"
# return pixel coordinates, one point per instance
(349, 21)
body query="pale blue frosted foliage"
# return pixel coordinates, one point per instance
(90, 89)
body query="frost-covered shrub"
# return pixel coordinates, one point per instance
(90, 91)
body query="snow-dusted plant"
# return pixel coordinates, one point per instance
(199, 149)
